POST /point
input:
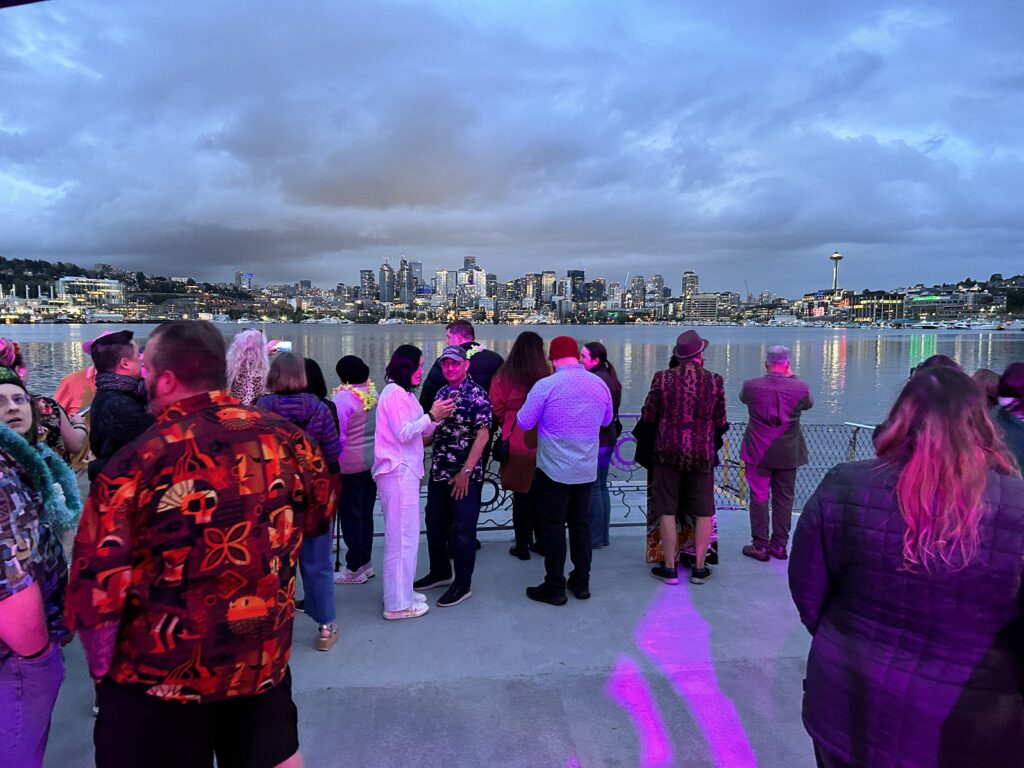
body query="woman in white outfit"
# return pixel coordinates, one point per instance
(398, 469)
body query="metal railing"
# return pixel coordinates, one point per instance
(827, 445)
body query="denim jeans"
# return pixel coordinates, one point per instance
(460, 516)
(28, 691)
(318, 578)
(600, 500)
(355, 517)
(561, 504)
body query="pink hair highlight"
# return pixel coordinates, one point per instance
(940, 434)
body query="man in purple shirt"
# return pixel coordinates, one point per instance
(773, 448)
(568, 408)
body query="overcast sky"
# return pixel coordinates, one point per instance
(744, 140)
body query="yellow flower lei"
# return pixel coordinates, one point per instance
(368, 396)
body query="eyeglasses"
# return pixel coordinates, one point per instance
(16, 400)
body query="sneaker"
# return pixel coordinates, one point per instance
(699, 575)
(778, 551)
(430, 581)
(546, 594)
(350, 577)
(414, 611)
(667, 575)
(757, 552)
(328, 636)
(367, 570)
(453, 596)
(419, 597)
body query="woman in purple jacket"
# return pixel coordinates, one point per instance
(907, 570)
(287, 383)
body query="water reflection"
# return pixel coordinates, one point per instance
(853, 374)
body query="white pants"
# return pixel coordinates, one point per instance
(400, 501)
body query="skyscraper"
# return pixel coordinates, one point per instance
(386, 282)
(469, 262)
(548, 281)
(690, 285)
(404, 283)
(576, 278)
(367, 285)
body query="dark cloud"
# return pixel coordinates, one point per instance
(737, 139)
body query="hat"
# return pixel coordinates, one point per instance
(10, 376)
(352, 370)
(689, 344)
(454, 352)
(108, 337)
(563, 346)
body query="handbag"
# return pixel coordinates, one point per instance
(645, 433)
(503, 446)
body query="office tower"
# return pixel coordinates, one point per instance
(690, 285)
(404, 283)
(367, 285)
(386, 282)
(576, 278)
(548, 285)
(469, 262)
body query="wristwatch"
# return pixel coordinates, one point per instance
(467, 471)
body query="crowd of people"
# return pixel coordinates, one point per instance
(215, 473)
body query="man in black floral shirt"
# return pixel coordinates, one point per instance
(456, 477)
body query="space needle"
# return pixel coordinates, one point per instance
(835, 258)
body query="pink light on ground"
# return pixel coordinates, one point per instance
(677, 639)
(627, 688)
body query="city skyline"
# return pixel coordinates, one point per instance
(741, 142)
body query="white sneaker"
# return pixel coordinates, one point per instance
(345, 576)
(367, 570)
(414, 611)
(419, 597)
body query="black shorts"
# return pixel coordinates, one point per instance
(136, 730)
(678, 493)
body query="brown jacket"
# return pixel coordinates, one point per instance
(688, 405)
(773, 439)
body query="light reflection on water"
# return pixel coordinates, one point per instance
(853, 374)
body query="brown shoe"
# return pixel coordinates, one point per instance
(328, 637)
(778, 551)
(756, 552)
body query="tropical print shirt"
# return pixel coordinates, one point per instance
(30, 550)
(454, 436)
(188, 548)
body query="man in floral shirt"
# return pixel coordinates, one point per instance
(183, 580)
(456, 477)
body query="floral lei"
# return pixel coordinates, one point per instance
(368, 396)
(474, 349)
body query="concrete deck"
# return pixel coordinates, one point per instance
(643, 674)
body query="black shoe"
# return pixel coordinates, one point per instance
(667, 575)
(430, 581)
(521, 552)
(300, 606)
(537, 549)
(545, 594)
(453, 596)
(478, 544)
(581, 593)
(700, 575)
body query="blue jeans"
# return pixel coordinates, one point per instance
(444, 513)
(600, 500)
(318, 578)
(28, 691)
(355, 516)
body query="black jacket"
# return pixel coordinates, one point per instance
(119, 415)
(482, 366)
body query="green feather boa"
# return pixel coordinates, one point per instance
(44, 468)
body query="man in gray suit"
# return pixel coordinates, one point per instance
(773, 448)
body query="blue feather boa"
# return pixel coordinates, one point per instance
(44, 468)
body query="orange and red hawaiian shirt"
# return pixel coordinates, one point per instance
(188, 546)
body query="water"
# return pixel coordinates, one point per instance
(854, 374)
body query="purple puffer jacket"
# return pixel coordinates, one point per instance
(311, 414)
(909, 668)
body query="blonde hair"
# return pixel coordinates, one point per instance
(247, 356)
(287, 374)
(940, 434)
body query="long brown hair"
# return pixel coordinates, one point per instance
(526, 363)
(287, 374)
(940, 434)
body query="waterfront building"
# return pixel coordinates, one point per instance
(91, 291)
(934, 305)
(877, 307)
(703, 307)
